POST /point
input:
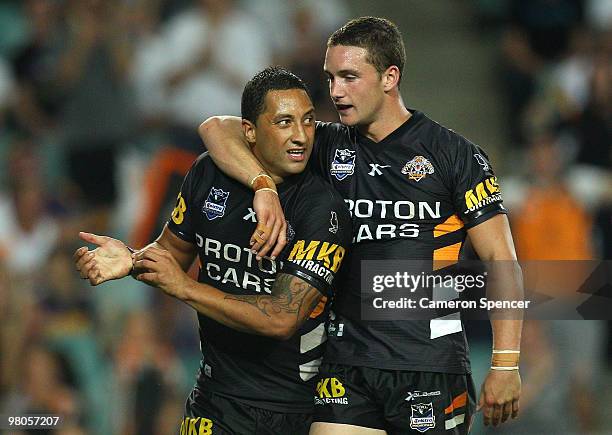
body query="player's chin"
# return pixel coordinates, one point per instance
(294, 168)
(348, 119)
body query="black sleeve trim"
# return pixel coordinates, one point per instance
(483, 215)
(180, 234)
(321, 286)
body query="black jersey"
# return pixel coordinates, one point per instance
(411, 196)
(215, 213)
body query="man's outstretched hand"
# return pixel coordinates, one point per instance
(271, 228)
(499, 396)
(110, 260)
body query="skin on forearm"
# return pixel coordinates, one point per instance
(277, 315)
(506, 284)
(228, 148)
(492, 241)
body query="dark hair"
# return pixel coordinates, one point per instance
(273, 78)
(379, 36)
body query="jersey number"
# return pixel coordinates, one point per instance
(178, 214)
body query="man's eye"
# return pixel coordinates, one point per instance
(309, 120)
(284, 122)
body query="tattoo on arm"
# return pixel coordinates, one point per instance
(289, 295)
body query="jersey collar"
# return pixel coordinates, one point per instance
(363, 140)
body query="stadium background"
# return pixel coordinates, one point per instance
(104, 97)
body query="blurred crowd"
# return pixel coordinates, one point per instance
(555, 77)
(99, 105)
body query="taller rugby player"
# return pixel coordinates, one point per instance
(415, 190)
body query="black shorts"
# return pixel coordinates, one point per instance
(208, 413)
(399, 402)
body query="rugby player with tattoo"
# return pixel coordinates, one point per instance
(261, 319)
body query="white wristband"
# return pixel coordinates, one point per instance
(267, 189)
(504, 368)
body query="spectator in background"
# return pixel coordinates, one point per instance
(594, 125)
(16, 314)
(28, 233)
(6, 88)
(212, 51)
(298, 33)
(150, 61)
(97, 111)
(278, 21)
(145, 371)
(35, 67)
(45, 378)
(553, 225)
(66, 309)
(66, 320)
(7, 92)
(305, 59)
(539, 34)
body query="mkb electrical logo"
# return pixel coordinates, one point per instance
(485, 192)
(330, 390)
(321, 258)
(196, 425)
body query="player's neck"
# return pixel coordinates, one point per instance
(389, 119)
(276, 178)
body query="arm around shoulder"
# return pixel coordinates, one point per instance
(226, 144)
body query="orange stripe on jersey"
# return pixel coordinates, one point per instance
(446, 256)
(453, 223)
(319, 308)
(458, 402)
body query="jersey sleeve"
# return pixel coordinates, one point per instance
(322, 235)
(477, 195)
(181, 221)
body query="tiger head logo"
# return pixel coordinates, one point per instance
(418, 168)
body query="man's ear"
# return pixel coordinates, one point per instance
(391, 78)
(249, 131)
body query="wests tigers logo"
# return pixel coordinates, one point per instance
(417, 168)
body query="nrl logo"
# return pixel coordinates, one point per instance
(343, 164)
(422, 418)
(417, 168)
(214, 206)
